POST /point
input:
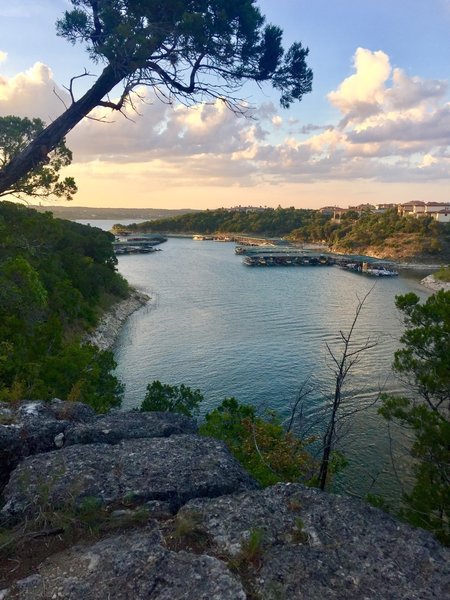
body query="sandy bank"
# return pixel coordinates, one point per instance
(435, 284)
(107, 330)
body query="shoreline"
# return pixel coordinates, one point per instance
(109, 326)
(434, 284)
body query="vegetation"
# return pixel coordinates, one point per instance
(390, 231)
(262, 445)
(423, 364)
(443, 274)
(197, 50)
(168, 398)
(343, 363)
(44, 180)
(272, 222)
(56, 277)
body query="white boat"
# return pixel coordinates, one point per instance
(381, 272)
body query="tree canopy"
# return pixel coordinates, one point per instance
(44, 180)
(423, 363)
(190, 50)
(56, 277)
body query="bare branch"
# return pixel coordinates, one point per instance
(73, 79)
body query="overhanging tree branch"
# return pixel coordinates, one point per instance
(190, 51)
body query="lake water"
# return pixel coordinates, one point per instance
(258, 334)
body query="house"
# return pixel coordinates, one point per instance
(415, 207)
(382, 208)
(436, 207)
(362, 208)
(442, 216)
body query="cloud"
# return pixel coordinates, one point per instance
(3, 56)
(393, 127)
(363, 91)
(407, 92)
(311, 128)
(32, 93)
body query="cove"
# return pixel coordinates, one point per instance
(258, 334)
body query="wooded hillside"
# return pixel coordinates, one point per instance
(56, 277)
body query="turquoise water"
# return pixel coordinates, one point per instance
(258, 334)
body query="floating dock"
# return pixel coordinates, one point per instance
(290, 258)
(139, 244)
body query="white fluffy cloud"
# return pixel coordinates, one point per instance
(33, 93)
(3, 56)
(364, 90)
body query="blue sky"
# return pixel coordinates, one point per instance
(376, 127)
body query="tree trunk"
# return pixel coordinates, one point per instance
(36, 152)
(329, 434)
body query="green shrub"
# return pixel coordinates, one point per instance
(443, 274)
(262, 446)
(167, 398)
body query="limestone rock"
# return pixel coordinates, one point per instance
(131, 566)
(108, 328)
(35, 427)
(130, 473)
(117, 426)
(318, 546)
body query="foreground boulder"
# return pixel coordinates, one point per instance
(131, 473)
(300, 543)
(34, 427)
(228, 538)
(129, 567)
(285, 542)
(117, 426)
(37, 427)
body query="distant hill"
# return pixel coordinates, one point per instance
(82, 212)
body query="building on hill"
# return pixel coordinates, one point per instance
(327, 210)
(362, 208)
(414, 207)
(418, 208)
(442, 216)
(335, 212)
(436, 207)
(382, 208)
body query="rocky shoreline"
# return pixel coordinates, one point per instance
(434, 284)
(106, 332)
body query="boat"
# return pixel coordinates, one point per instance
(381, 272)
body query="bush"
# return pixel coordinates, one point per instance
(167, 398)
(443, 274)
(261, 445)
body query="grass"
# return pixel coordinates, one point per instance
(186, 532)
(24, 546)
(443, 274)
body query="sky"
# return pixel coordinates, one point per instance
(376, 127)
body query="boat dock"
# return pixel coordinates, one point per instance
(296, 257)
(138, 244)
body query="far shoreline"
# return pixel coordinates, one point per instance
(434, 284)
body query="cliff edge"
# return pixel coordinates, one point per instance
(178, 518)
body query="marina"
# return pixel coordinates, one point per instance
(143, 244)
(298, 257)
